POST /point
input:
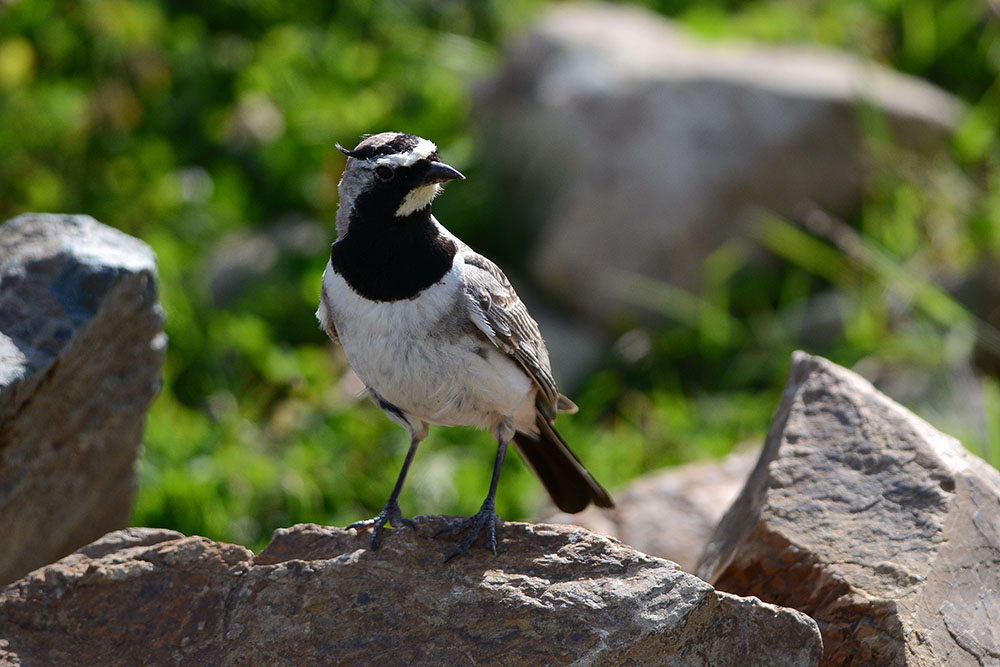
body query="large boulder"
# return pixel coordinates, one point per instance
(640, 148)
(81, 346)
(317, 595)
(670, 513)
(860, 514)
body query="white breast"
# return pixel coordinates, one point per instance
(420, 355)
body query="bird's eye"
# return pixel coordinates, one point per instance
(384, 173)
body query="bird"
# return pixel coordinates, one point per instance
(436, 332)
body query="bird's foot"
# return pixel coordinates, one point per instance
(391, 515)
(485, 516)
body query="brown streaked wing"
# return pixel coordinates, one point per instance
(499, 313)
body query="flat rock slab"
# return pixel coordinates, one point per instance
(670, 513)
(860, 514)
(317, 595)
(81, 347)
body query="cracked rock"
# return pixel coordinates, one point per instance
(317, 595)
(860, 514)
(81, 346)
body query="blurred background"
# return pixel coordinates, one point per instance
(207, 129)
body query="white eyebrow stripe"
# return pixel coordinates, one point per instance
(421, 151)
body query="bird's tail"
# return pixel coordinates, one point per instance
(567, 481)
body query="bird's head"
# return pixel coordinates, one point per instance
(391, 175)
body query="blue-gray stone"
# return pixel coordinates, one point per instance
(81, 346)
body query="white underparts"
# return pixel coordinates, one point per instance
(417, 198)
(434, 373)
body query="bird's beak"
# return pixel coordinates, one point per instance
(440, 172)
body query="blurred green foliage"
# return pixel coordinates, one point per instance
(206, 127)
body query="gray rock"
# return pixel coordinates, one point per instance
(863, 516)
(317, 595)
(641, 148)
(670, 513)
(242, 259)
(948, 394)
(81, 346)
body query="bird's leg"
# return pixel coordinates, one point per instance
(390, 513)
(486, 514)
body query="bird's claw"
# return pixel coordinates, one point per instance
(391, 515)
(485, 516)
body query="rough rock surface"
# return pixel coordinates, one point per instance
(670, 513)
(81, 346)
(860, 514)
(641, 147)
(316, 595)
